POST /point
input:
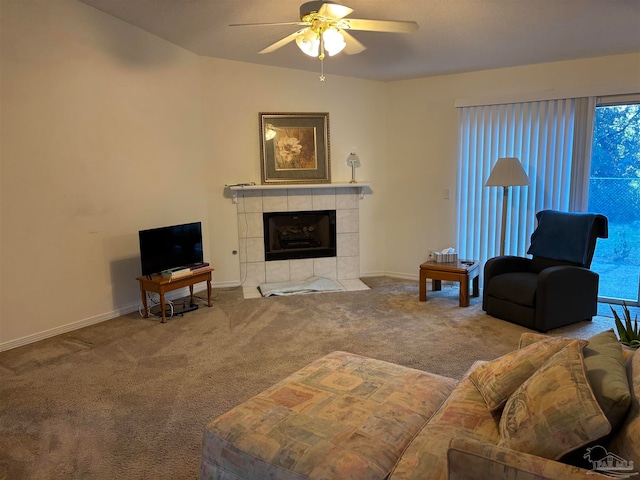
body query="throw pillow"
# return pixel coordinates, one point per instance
(604, 364)
(607, 375)
(554, 411)
(527, 338)
(498, 379)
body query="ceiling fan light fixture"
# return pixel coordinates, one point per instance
(333, 41)
(326, 30)
(309, 43)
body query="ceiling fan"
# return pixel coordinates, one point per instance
(325, 30)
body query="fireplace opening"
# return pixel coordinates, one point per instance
(292, 235)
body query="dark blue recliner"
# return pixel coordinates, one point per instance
(556, 286)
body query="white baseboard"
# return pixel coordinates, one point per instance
(124, 310)
(36, 337)
(403, 276)
(133, 307)
(372, 274)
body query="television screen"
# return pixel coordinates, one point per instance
(170, 247)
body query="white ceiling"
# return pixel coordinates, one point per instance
(453, 36)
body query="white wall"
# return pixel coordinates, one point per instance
(101, 137)
(106, 130)
(424, 140)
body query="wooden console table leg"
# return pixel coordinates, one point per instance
(143, 294)
(208, 293)
(191, 295)
(164, 319)
(476, 286)
(422, 288)
(464, 290)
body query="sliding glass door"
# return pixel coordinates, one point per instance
(614, 190)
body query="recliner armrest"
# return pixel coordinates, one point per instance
(477, 460)
(506, 264)
(499, 265)
(566, 273)
(563, 291)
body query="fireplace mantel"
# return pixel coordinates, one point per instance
(362, 187)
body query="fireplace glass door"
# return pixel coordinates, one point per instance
(293, 235)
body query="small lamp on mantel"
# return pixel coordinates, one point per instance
(353, 161)
(507, 172)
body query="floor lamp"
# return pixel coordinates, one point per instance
(507, 172)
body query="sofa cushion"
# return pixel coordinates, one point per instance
(498, 379)
(517, 287)
(343, 416)
(555, 410)
(463, 415)
(607, 375)
(476, 460)
(626, 442)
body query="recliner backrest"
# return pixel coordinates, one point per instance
(566, 238)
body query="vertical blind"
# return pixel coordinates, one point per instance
(540, 134)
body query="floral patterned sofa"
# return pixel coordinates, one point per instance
(535, 413)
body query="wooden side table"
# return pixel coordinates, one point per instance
(461, 271)
(161, 285)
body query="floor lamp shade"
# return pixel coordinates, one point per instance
(507, 172)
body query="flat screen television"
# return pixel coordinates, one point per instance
(170, 247)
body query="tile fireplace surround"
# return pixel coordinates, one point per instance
(252, 201)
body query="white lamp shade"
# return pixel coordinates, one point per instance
(353, 160)
(507, 172)
(309, 43)
(333, 41)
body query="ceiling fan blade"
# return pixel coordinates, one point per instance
(334, 11)
(266, 24)
(282, 42)
(393, 26)
(353, 46)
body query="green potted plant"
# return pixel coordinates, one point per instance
(628, 332)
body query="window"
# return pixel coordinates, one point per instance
(580, 154)
(614, 190)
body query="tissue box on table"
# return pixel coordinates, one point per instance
(445, 257)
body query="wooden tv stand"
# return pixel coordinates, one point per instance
(161, 285)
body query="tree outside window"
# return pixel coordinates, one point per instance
(614, 191)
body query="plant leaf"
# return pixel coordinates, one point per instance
(628, 330)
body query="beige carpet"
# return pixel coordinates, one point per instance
(128, 398)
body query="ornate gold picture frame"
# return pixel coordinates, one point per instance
(294, 148)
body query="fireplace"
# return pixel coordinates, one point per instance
(254, 201)
(294, 235)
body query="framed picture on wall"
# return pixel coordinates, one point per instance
(294, 148)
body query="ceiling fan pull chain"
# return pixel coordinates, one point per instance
(321, 57)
